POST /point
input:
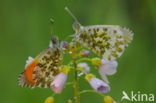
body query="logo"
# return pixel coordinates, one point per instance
(137, 96)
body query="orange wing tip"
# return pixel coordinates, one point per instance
(22, 81)
(29, 61)
(26, 78)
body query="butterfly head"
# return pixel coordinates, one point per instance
(76, 26)
(54, 43)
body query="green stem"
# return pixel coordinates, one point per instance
(69, 83)
(53, 94)
(76, 85)
(91, 91)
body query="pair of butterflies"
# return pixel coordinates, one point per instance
(108, 41)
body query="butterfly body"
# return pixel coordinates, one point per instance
(108, 41)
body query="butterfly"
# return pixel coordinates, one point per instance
(108, 41)
(41, 70)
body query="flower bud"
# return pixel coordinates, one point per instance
(49, 100)
(70, 101)
(108, 99)
(64, 44)
(85, 53)
(84, 67)
(96, 62)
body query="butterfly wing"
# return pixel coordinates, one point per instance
(108, 41)
(40, 72)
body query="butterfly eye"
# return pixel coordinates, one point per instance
(76, 26)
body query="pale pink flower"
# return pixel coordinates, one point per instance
(108, 67)
(99, 85)
(59, 82)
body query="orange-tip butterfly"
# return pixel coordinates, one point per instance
(41, 70)
(108, 41)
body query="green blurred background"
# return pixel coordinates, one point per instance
(25, 31)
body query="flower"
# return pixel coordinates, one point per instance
(59, 81)
(108, 99)
(83, 67)
(108, 67)
(49, 100)
(85, 53)
(97, 84)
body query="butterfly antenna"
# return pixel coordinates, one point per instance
(54, 40)
(76, 25)
(71, 14)
(51, 28)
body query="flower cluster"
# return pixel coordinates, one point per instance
(104, 67)
(82, 64)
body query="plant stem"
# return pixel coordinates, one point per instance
(76, 84)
